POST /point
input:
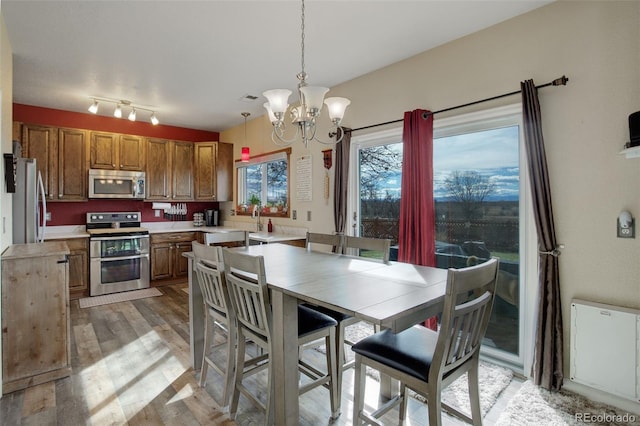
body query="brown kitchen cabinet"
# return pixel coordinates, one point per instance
(61, 159)
(167, 262)
(41, 143)
(169, 170)
(72, 165)
(182, 169)
(213, 171)
(78, 267)
(113, 151)
(35, 315)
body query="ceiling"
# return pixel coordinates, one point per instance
(195, 62)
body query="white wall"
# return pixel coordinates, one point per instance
(596, 45)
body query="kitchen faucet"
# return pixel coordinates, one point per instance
(256, 215)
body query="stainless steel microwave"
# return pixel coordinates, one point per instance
(116, 184)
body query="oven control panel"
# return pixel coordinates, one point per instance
(100, 220)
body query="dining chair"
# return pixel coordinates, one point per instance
(250, 301)
(209, 270)
(427, 361)
(227, 237)
(333, 240)
(380, 246)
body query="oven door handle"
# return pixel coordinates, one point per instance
(126, 237)
(110, 259)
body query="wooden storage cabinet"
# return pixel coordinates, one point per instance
(61, 159)
(182, 170)
(114, 151)
(170, 170)
(167, 262)
(158, 173)
(35, 315)
(72, 166)
(78, 267)
(213, 171)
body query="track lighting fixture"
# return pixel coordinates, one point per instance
(121, 103)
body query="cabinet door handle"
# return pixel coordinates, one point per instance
(65, 260)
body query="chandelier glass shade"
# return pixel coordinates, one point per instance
(303, 116)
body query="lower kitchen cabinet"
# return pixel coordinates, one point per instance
(78, 268)
(35, 315)
(167, 262)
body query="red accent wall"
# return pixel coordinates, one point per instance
(74, 213)
(59, 118)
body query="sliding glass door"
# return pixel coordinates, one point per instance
(479, 192)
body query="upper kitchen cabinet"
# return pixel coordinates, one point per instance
(41, 143)
(182, 168)
(213, 164)
(169, 170)
(158, 174)
(60, 158)
(117, 152)
(72, 165)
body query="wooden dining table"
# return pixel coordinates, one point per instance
(392, 295)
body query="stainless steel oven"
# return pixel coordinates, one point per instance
(118, 251)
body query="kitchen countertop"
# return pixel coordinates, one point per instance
(48, 248)
(274, 237)
(281, 234)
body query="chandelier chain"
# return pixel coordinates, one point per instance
(303, 75)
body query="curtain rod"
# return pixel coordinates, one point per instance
(562, 81)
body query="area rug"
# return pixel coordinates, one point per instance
(89, 302)
(534, 406)
(492, 379)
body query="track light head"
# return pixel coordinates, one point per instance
(154, 119)
(118, 111)
(94, 107)
(132, 115)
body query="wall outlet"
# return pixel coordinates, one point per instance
(156, 213)
(294, 214)
(48, 216)
(626, 230)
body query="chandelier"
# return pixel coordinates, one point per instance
(305, 114)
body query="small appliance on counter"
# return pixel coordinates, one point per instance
(211, 217)
(198, 219)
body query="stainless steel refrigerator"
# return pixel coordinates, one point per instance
(29, 203)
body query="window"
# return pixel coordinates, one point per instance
(264, 182)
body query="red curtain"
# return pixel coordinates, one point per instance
(417, 212)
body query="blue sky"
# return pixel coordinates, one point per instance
(492, 153)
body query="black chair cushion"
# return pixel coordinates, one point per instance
(310, 320)
(338, 316)
(410, 351)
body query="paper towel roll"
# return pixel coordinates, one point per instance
(161, 206)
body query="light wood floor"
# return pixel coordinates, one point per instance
(131, 366)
